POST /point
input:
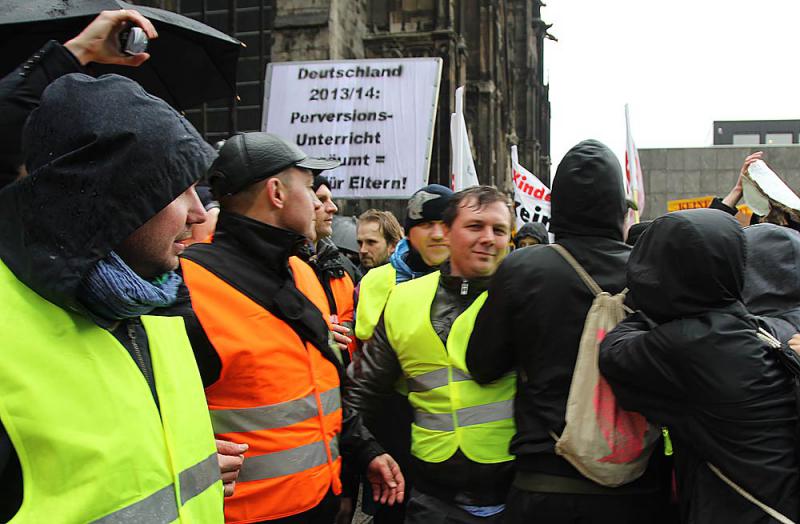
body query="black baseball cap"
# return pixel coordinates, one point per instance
(247, 158)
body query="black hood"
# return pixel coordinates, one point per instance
(104, 157)
(772, 279)
(588, 197)
(535, 230)
(686, 263)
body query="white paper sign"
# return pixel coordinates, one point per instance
(531, 195)
(375, 116)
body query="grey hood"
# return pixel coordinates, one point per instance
(772, 276)
(104, 157)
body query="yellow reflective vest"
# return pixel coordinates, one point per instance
(92, 444)
(451, 411)
(373, 291)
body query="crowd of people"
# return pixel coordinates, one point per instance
(186, 340)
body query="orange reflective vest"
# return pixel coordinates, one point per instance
(342, 289)
(276, 392)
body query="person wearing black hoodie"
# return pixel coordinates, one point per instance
(531, 234)
(532, 322)
(772, 283)
(101, 406)
(691, 359)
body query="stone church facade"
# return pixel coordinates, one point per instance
(493, 47)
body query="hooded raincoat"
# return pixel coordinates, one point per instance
(691, 359)
(533, 318)
(535, 230)
(99, 169)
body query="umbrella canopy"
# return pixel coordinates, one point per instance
(190, 62)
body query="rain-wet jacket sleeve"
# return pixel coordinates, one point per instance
(640, 362)
(20, 92)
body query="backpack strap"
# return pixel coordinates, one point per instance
(587, 279)
(775, 514)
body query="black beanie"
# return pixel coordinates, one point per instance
(319, 181)
(427, 204)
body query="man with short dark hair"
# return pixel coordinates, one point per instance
(101, 404)
(461, 430)
(262, 330)
(378, 233)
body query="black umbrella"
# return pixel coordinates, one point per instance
(190, 62)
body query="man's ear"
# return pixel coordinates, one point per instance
(275, 192)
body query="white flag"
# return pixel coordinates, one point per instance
(634, 185)
(463, 170)
(531, 195)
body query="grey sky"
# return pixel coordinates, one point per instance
(679, 64)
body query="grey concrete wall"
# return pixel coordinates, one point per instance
(671, 174)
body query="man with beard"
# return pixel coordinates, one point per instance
(378, 233)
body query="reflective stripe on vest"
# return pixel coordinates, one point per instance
(435, 379)
(160, 506)
(91, 442)
(288, 462)
(276, 392)
(374, 289)
(276, 415)
(451, 411)
(491, 412)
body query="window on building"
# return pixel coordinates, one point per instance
(779, 138)
(746, 139)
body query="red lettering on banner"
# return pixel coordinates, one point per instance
(521, 181)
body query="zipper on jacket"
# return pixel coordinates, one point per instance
(137, 351)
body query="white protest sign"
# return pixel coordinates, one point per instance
(531, 195)
(375, 116)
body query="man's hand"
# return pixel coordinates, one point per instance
(794, 343)
(230, 457)
(388, 484)
(732, 198)
(340, 336)
(99, 42)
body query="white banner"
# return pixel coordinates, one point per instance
(463, 170)
(531, 195)
(375, 116)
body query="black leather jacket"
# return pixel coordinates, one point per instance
(376, 369)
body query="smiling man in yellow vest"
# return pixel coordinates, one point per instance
(461, 430)
(102, 409)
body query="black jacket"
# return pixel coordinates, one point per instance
(537, 305)
(690, 359)
(94, 179)
(20, 92)
(772, 284)
(254, 258)
(373, 375)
